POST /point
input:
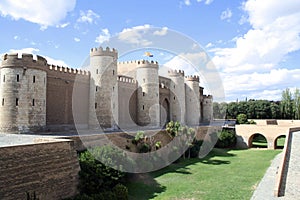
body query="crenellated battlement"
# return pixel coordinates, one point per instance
(176, 73)
(104, 52)
(192, 78)
(147, 64)
(207, 97)
(23, 60)
(62, 69)
(126, 79)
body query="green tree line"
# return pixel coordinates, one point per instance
(287, 108)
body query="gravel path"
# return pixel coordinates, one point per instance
(265, 189)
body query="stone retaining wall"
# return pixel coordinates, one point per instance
(50, 170)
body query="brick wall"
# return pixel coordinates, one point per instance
(48, 169)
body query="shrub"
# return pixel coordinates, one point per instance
(172, 128)
(139, 135)
(95, 176)
(121, 192)
(242, 119)
(226, 139)
(144, 148)
(195, 148)
(158, 145)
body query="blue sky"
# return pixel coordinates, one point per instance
(253, 44)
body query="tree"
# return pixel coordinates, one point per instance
(286, 104)
(242, 119)
(275, 110)
(296, 105)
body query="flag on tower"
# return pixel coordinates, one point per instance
(148, 54)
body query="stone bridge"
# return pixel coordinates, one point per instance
(270, 129)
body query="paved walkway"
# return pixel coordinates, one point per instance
(265, 189)
(292, 188)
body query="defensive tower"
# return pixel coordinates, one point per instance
(177, 95)
(192, 100)
(22, 93)
(103, 88)
(147, 93)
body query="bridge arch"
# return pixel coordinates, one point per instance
(279, 141)
(258, 140)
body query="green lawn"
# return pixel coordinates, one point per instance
(280, 142)
(259, 141)
(223, 174)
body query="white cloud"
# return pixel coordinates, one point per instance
(35, 51)
(25, 50)
(187, 2)
(134, 35)
(226, 14)
(53, 61)
(103, 36)
(207, 2)
(63, 25)
(76, 39)
(161, 32)
(252, 64)
(17, 37)
(87, 17)
(44, 13)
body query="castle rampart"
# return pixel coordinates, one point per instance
(35, 95)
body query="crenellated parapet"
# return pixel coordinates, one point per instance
(192, 78)
(147, 64)
(176, 73)
(104, 52)
(25, 61)
(208, 97)
(126, 79)
(61, 69)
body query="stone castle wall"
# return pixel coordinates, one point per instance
(38, 168)
(127, 88)
(37, 96)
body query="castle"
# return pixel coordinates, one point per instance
(36, 96)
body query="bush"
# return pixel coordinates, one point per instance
(172, 128)
(226, 139)
(121, 192)
(195, 148)
(144, 148)
(242, 119)
(95, 176)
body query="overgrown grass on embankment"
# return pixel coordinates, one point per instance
(223, 174)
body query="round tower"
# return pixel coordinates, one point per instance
(207, 108)
(22, 93)
(147, 93)
(177, 96)
(192, 100)
(103, 88)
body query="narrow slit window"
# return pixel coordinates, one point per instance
(113, 72)
(96, 88)
(3, 78)
(143, 94)
(143, 107)
(33, 79)
(113, 88)
(95, 105)
(18, 77)
(174, 97)
(17, 101)
(33, 103)
(96, 71)
(3, 102)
